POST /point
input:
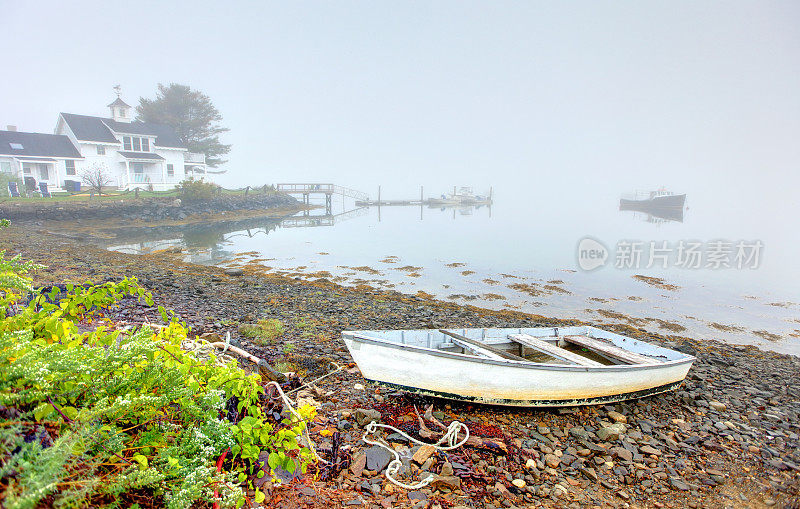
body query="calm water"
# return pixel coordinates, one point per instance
(522, 254)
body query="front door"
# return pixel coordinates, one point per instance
(138, 172)
(44, 172)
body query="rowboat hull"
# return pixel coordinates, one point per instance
(414, 366)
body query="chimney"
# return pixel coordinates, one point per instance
(11, 128)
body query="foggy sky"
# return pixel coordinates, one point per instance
(548, 94)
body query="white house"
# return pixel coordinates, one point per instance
(132, 154)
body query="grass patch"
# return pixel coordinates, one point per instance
(263, 332)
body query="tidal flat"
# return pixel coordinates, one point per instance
(728, 437)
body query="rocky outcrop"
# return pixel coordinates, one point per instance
(149, 209)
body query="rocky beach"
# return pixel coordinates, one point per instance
(728, 437)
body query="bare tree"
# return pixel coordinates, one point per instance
(96, 178)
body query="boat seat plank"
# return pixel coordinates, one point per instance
(482, 352)
(483, 348)
(552, 350)
(610, 350)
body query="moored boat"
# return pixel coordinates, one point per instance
(461, 196)
(531, 367)
(660, 199)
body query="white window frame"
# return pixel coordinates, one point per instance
(67, 166)
(129, 146)
(101, 150)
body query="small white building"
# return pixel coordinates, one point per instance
(132, 154)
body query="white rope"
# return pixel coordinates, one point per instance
(288, 404)
(450, 437)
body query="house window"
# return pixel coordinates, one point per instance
(5, 167)
(145, 144)
(126, 142)
(101, 150)
(44, 171)
(171, 170)
(70, 167)
(137, 144)
(16, 146)
(26, 168)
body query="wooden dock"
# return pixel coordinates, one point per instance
(328, 190)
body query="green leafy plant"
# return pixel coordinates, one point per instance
(95, 412)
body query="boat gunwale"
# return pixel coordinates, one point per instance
(359, 336)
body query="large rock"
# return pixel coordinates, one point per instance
(423, 453)
(646, 449)
(551, 460)
(617, 417)
(450, 481)
(716, 405)
(378, 458)
(611, 433)
(364, 416)
(579, 432)
(622, 453)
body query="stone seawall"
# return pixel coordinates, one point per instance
(147, 209)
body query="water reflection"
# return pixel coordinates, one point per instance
(206, 242)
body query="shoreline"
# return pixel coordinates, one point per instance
(747, 449)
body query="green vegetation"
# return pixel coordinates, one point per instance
(196, 190)
(263, 332)
(5, 178)
(306, 326)
(90, 415)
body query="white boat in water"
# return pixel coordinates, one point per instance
(553, 366)
(462, 196)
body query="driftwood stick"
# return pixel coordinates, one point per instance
(424, 432)
(472, 441)
(430, 417)
(264, 367)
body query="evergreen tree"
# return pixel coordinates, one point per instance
(192, 115)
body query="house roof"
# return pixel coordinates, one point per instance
(119, 102)
(99, 129)
(88, 128)
(37, 145)
(141, 155)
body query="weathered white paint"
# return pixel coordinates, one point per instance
(413, 359)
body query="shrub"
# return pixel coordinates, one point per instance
(196, 190)
(92, 413)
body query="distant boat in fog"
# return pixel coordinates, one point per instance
(462, 196)
(659, 199)
(660, 205)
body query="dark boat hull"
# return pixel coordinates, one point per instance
(676, 201)
(669, 208)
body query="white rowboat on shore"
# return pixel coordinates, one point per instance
(552, 366)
